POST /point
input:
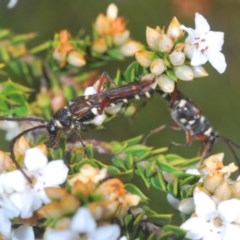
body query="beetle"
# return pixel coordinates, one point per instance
(188, 117)
(83, 110)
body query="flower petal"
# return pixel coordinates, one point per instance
(201, 23)
(55, 173)
(12, 3)
(229, 210)
(110, 232)
(217, 59)
(196, 228)
(52, 234)
(5, 224)
(216, 40)
(230, 232)
(83, 221)
(35, 159)
(204, 205)
(23, 232)
(198, 58)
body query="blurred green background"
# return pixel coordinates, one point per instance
(217, 95)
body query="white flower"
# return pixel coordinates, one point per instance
(129, 48)
(84, 223)
(12, 129)
(44, 173)
(12, 3)
(203, 45)
(212, 221)
(165, 83)
(23, 232)
(20, 198)
(112, 11)
(5, 224)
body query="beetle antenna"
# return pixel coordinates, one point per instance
(230, 145)
(12, 143)
(21, 119)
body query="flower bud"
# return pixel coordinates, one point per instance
(184, 72)
(59, 55)
(174, 30)
(5, 162)
(130, 48)
(212, 182)
(51, 210)
(150, 76)
(55, 193)
(152, 37)
(69, 204)
(76, 59)
(121, 37)
(165, 43)
(157, 66)
(112, 11)
(144, 58)
(186, 206)
(165, 83)
(174, 202)
(99, 46)
(102, 25)
(177, 58)
(199, 71)
(21, 146)
(223, 192)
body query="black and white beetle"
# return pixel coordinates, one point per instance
(81, 110)
(189, 118)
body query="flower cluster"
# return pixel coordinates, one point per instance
(168, 53)
(82, 224)
(216, 203)
(22, 195)
(111, 32)
(106, 198)
(65, 52)
(87, 199)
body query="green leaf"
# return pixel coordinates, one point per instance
(177, 231)
(22, 38)
(118, 163)
(44, 46)
(133, 141)
(133, 71)
(159, 219)
(158, 181)
(164, 166)
(135, 190)
(171, 74)
(115, 53)
(139, 151)
(138, 219)
(117, 147)
(126, 176)
(159, 150)
(4, 33)
(89, 150)
(191, 179)
(4, 55)
(141, 171)
(173, 187)
(13, 99)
